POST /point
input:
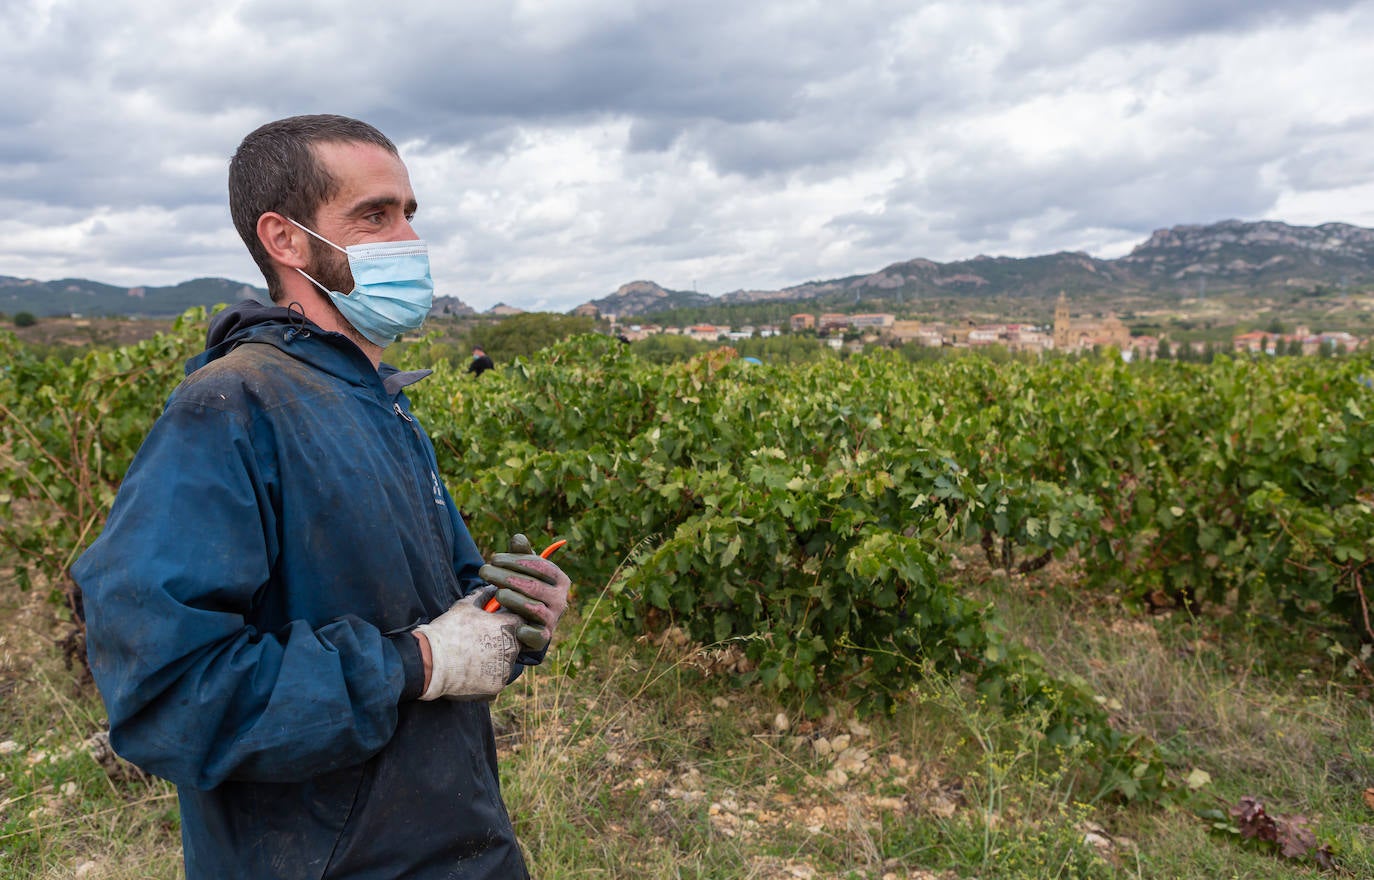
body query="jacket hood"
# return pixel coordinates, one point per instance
(286, 328)
(239, 317)
(289, 330)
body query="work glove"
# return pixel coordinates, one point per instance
(471, 651)
(530, 586)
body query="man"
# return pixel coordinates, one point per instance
(481, 362)
(285, 609)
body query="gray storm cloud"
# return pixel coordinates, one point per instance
(562, 148)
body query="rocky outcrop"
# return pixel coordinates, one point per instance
(1236, 254)
(646, 297)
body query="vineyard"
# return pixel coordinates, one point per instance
(811, 512)
(808, 519)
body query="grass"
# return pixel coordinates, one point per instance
(64, 813)
(652, 762)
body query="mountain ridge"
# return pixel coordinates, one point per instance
(1173, 263)
(1252, 257)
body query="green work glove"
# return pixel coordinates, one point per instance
(530, 586)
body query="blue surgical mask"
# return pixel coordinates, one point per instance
(392, 291)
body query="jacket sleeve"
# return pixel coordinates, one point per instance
(194, 693)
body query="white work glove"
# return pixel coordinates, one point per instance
(532, 587)
(471, 651)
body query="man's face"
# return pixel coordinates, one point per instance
(374, 203)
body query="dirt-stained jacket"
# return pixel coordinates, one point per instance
(248, 607)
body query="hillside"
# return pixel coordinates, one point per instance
(77, 296)
(1251, 261)
(1257, 254)
(83, 298)
(1245, 265)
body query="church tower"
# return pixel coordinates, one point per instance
(1063, 324)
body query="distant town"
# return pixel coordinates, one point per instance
(1069, 333)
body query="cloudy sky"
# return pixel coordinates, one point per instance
(561, 148)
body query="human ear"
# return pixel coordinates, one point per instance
(284, 241)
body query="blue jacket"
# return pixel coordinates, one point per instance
(249, 606)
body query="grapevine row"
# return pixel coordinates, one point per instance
(809, 514)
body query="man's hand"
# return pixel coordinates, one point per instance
(471, 652)
(530, 586)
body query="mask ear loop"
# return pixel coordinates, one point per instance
(308, 231)
(311, 279)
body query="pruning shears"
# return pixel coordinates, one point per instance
(492, 604)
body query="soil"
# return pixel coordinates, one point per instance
(29, 627)
(83, 332)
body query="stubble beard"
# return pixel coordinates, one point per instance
(330, 268)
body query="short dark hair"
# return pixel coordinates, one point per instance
(276, 169)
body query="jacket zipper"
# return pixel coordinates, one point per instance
(444, 527)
